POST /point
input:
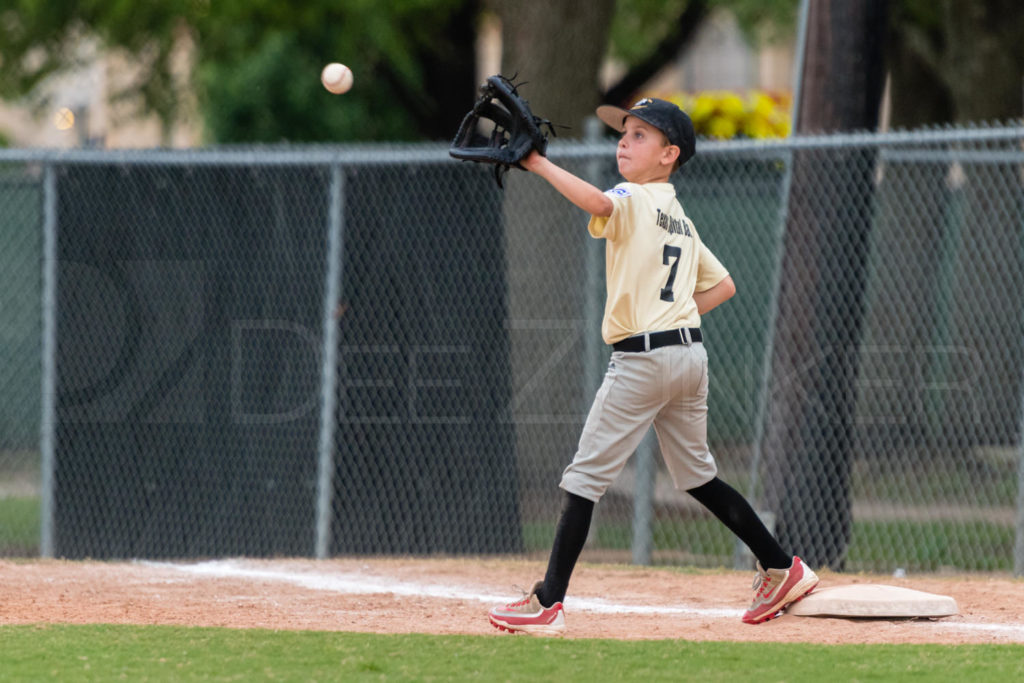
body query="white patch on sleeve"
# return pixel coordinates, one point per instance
(619, 192)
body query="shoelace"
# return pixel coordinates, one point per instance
(520, 603)
(762, 584)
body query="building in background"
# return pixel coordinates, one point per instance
(722, 58)
(91, 105)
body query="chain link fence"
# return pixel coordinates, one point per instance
(363, 350)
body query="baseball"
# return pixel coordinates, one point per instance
(336, 77)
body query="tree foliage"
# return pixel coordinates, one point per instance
(261, 59)
(258, 61)
(639, 25)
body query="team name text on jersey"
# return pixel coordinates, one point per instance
(672, 225)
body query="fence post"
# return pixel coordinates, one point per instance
(593, 272)
(49, 360)
(646, 480)
(593, 299)
(329, 355)
(1018, 545)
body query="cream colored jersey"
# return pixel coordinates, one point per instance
(654, 262)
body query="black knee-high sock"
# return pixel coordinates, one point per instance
(735, 512)
(571, 534)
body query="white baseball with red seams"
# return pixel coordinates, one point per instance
(337, 78)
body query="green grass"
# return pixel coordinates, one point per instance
(19, 527)
(159, 653)
(938, 478)
(929, 546)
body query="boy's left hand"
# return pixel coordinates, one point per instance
(532, 161)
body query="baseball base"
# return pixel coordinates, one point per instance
(873, 600)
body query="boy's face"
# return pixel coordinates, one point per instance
(644, 154)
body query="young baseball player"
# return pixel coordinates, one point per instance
(660, 279)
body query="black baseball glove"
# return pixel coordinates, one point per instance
(500, 129)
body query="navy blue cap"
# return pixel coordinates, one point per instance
(663, 115)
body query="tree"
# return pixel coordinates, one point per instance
(807, 444)
(260, 61)
(419, 57)
(558, 47)
(568, 41)
(956, 61)
(682, 31)
(257, 63)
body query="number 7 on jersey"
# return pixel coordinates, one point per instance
(672, 254)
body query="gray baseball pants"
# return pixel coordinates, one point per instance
(668, 387)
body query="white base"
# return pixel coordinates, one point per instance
(873, 600)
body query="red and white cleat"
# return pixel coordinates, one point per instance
(775, 589)
(529, 616)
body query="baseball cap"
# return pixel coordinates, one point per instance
(663, 115)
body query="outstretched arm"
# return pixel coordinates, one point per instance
(575, 189)
(710, 298)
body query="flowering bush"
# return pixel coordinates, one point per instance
(724, 114)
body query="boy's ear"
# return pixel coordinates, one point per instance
(671, 154)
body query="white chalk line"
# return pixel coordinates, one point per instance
(354, 583)
(363, 584)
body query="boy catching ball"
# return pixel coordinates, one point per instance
(660, 279)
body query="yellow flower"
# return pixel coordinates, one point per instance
(721, 127)
(758, 127)
(783, 127)
(724, 114)
(731, 105)
(703, 107)
(762, 105)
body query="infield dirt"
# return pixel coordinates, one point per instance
(403, 595)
